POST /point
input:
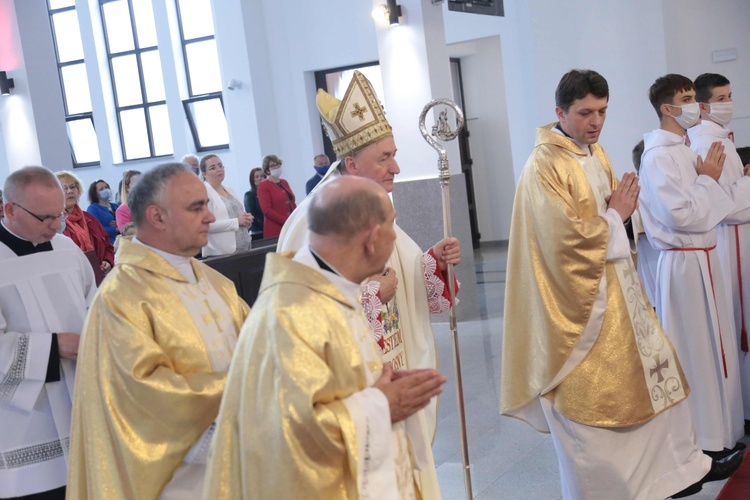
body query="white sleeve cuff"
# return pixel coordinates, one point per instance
(376, 470)
(618, 246)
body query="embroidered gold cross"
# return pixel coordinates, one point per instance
(359, 111)
(212, 315)
(630, 272)
(660, 365)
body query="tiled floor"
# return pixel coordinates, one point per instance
(509, 460)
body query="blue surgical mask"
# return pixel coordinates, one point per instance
(322, 169)
(105, 194)
(62, 227)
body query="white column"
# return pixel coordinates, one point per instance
(415, 66)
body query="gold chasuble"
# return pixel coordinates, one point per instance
(284, 430)
(627, 372)
(147, 387)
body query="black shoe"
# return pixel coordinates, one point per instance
(720, 469)
(690, 490)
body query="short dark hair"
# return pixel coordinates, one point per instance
(706, 83)
(637, 153)
(345, 215)
(665, 88)
(577, 84)
(149, 188)
(93, 193)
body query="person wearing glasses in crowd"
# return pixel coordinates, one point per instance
(46, 287)
(122, 214)
(229, 233)
(275, 196)
(82, 227)
(103, 208)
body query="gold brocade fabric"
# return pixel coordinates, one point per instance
(283, 430)
(145, 387)
(556, 260)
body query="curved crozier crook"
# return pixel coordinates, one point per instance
(442, 129)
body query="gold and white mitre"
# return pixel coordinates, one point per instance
(355, 122)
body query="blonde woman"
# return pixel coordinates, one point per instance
(230, 231)
(82, 227)
(122, 215)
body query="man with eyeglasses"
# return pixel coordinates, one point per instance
(46, 286)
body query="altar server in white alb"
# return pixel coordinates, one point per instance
(46, 286)
(681, 205)
(714, 95)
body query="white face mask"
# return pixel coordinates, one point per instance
(276, 172)
(721, 112)
(690, 114)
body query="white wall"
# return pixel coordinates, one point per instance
(274, 47)
(701, 28)
(489, 133)
(19, 134)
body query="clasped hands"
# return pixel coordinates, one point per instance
(408, 391)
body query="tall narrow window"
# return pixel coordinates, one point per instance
(140, 100)
(74, 82)
(204, 107)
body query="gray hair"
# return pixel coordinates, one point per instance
(18, 181)
(346, 213)
(149, 187)
(190, 155)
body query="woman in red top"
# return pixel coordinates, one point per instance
(275, 197)
(82, 227)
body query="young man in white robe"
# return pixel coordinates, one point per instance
(584, 356)
(647, 255)
(714, 95)
(310, 410)
(155, 352)
(681, 203)
(46, 286)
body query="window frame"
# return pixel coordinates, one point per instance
(191, 121)
(191, 96)
(60, 65)
(137, 51)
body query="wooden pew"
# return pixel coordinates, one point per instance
(245, 269)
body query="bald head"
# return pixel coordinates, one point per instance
(351, 226)
(346, 206)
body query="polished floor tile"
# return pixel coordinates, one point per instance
(509, 460)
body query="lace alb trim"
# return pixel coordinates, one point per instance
(35, 454)
(15, 375)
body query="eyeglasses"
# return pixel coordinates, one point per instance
(44, 218)
(72, 187)
(215, 167)
(274, 165)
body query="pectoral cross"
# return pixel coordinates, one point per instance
(359, 111)
(212, 315)
(660, 365)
